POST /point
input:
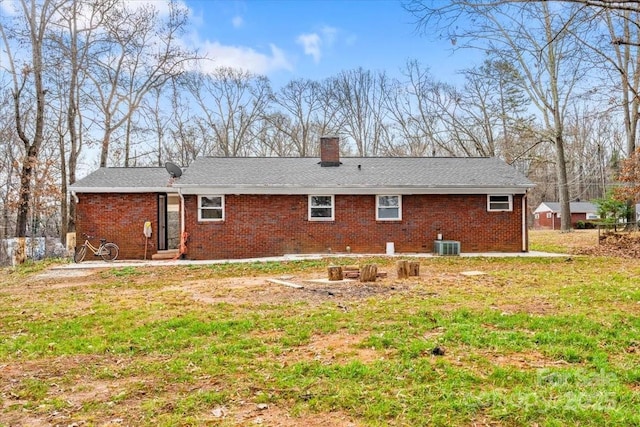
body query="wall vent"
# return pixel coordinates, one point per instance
(446, 247)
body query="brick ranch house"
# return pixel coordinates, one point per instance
(547, 214)
(229, 208)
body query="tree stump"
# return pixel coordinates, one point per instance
(369, 273)
(335, 272)
(402, 269)
(414, 268)
(20, 251)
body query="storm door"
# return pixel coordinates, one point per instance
(162, 222)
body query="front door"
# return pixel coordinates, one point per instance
(162, 222)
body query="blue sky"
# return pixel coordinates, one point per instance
(289, 39)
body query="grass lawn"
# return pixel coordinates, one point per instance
(470, 342)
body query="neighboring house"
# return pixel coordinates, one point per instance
(547, 215)
(223, 208)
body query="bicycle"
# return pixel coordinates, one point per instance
(107, 250)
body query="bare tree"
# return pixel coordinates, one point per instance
(232, 102)
(625, 59)
(536, 39)
(270, 141)
(138, 53)
(72, 43)
(410, 106)
(28, 29)
(305, 115)
(359, 94)
(589, 148)
(183, 136)
(10, 155)
(495, 108)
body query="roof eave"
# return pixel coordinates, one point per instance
(124, 190)
(352, 190)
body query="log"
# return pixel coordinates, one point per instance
(414, 268)
(369, 273)
(402, 269)
(335, 272)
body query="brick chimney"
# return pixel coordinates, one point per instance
(329, 151)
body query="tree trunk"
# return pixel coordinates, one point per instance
(402, 268)
(64, 207)
(104, 149)
(414, 268)
(369, 273)
(563, 185)
(335, 272)
(25, 193)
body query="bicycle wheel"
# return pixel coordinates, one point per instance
(109, 251)
(81, 251)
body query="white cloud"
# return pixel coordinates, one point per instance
(311, 44)
(237, 22)
(314, 44)
(244, 58)
(218, 54)
(329, 35)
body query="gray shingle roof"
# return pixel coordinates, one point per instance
(121, 180)
(574, 207)
(245, 174)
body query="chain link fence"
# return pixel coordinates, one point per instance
(37, 248)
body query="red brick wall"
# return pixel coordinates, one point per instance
(264, 225)
(554, 223)
(267, 225)
(329, 151)
(119, 218)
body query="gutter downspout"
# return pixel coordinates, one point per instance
(75, 197)
(524, 223)
(183, 227)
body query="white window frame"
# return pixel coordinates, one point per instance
(592, 216)
(321, 218)
(549, 215)
(201, 208)
(490, 202)
(378, 207)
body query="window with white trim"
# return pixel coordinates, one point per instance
(388, 208)
(549, 215)
(321, 208)
(592, 216)
(210, 208)
(536, 216)
(499, 203)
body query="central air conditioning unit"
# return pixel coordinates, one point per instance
(446, 247)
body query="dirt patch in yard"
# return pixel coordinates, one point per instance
(333, 348)
(258, 290)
